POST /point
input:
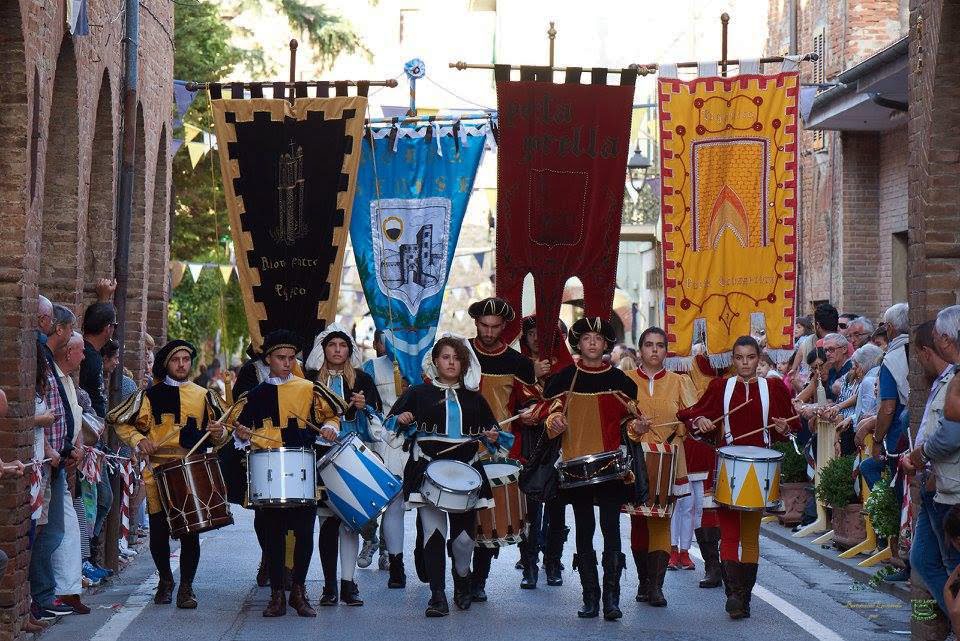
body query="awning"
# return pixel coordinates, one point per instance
(870, 96)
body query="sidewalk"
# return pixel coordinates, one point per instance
(829, 556)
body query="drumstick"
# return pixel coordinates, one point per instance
(512, 418)
(199, 443)
(720, 418)
(168, 437)
(453, 447)
(765, 427)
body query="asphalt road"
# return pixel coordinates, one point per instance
(796, 598)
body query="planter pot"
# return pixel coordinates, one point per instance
(794, 497)
(848, 525)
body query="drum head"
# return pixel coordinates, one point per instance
(454, 475)
(750, 452)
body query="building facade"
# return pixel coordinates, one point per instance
(60, 129)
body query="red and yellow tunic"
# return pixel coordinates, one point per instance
(596, 408)
(508, 384)
(700, 457)
(659, 398)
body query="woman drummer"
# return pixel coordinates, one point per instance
(766, 406)
(591, 403)
(446, 419)
(335, 362)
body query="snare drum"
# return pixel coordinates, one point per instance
(358, 485)
(593, 469)
(748, 477)
(451, 486)
(281, 477)
(661, 463)
(193, 494)
(502, 524)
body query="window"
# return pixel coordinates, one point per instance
(819, 77)
(898, 267)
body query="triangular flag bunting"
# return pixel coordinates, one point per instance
(190, 132)
(195, 269)
(480, 256)
(225, 271)
(197, 151)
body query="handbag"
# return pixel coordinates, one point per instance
(539, 478)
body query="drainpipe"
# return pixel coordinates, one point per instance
(121, 262)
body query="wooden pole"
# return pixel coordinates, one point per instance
(293, 68)
(552, 36)
(724, 22)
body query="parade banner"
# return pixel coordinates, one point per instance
(289, 177)
(560, 186)
(412, 193)
(729, 170)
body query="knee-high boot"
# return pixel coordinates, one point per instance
(640, 559)
(732, 573)
(708, 538)
(586, 565)
(749, 580)
(657, 563)
(613, 564)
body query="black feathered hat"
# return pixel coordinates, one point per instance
(592, 324)
(165, 353)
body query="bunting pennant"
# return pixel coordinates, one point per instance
(289, 176)
(410, 205)
(197, 151)
(182, 98)
(195, 269)
(560, 188)
(479, 256)
(226, 271)
(729, 173)
(191, 132)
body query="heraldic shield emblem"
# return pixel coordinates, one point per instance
(410, 253)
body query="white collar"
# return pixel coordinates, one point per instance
(174, 383)
(276, 380)
(436, 383)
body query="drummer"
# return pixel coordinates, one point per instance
(598, 399)
(660, 395)
(767, 406)
(149, 422)
(274, 414)
(335, 362)
(508, 382)
(447, 419)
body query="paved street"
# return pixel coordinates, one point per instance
(796, 598)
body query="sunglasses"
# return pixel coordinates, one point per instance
(842, 325)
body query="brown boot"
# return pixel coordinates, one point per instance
(263, 572)
(186, 599)
(278, 604)
(733, 579)
(33, 627)
(300, 602)
(657, 565)
(164, 595)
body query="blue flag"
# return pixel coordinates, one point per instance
(405, 232)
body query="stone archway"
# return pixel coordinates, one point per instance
(59, 262)
(101, 220)
(158, 287)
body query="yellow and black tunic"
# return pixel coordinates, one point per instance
(157, 413)
(508, 384)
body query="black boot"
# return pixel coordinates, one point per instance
(350, 593)
(613, 564)
(398, 578)
(186, 599)
(437, 606)
(586, 565)
(164, 595)
(643, 580)
(329, 595)
(263, 572)
(732, 572)
(551, 561)
(708, 538)
(531, 571)
(463, 595)
(749, 580)
(481, 570)
(657, 563)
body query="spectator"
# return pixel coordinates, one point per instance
(67, 558)
(59, 439)
(627, 362)
(149, 347)
(843, 323)
(805, 339)
(99, 323)
(859, 331)
(619, 351)
(894, 386)
(843, 411)
(825, 320)
(879, 336)
(868, 359)
(836, 347)
(44, 316)
(110, 352)
(936, 454)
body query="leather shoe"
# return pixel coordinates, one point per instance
(164, 595)
(186, 599)
(437, 606)
(350, 593)
(300, 602)
(73, 601)
(329, 595)
(277, 607)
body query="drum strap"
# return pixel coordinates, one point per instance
(764, 406)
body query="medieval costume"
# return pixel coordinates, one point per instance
(448, 424)
(277, 411)
(390, 385)
(595, 402)
(334, 533)
(739, 529)
(158, 413)
(508, 383)
(546, 521)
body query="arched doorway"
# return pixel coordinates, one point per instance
(59, 263)
(101, 221)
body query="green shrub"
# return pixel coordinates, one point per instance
(793, 467)
(835, 487)
(883, 507)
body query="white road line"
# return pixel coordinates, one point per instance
(133, 606)
(807, 623)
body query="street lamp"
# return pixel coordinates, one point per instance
(637, 167)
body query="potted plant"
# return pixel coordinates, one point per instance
(836, 489)
(883, 508)
(795, 489)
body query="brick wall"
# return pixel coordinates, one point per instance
(60, 112)
(894, 156)
(857, 242)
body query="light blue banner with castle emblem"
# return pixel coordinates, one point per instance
(412, 194)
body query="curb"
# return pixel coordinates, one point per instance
(830, 559)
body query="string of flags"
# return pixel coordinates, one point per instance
(179, 269)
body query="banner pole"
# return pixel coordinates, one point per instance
(293, 69)
(724, 22)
